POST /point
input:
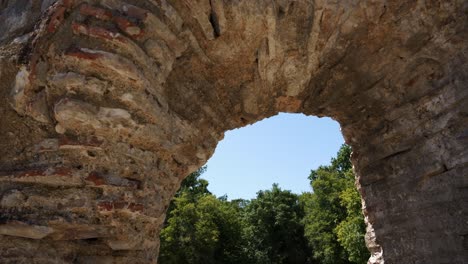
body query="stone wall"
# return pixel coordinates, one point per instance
(107, 105)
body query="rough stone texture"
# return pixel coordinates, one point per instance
(107, 105)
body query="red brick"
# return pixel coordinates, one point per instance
(99, 13)
(120, 205)
(65, 142)
(56, 19)
(97, 32)
(78, 53)
(96, 179)
(126, 25)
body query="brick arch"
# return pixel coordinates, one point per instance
(109, 104)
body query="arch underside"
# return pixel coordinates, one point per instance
(107, 105)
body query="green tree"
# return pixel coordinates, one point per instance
(194, 185)
(351, 231)
(274, 230)
(277, 227)
(201, 228)
(341, 164)
(334, 225)
(323, 213)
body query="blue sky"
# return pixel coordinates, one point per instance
(281, 149)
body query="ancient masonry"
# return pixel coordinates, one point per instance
(107, 105)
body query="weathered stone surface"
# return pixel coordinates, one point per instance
(19, 229)
(107, 105)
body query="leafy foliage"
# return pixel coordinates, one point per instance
(277, 227)
(350, 232)
(194, 185)
(334, 224)
(201, 228)
(274, 230)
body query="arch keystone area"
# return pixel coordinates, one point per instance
(107, 105)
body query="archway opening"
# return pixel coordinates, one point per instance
(278, 191)
(281, 149)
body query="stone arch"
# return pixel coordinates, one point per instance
(109, 104)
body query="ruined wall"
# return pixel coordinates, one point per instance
(107, 105)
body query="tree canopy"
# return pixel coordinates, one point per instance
(200, 227)
(334, 225)
(273, 228)
(277, 227)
